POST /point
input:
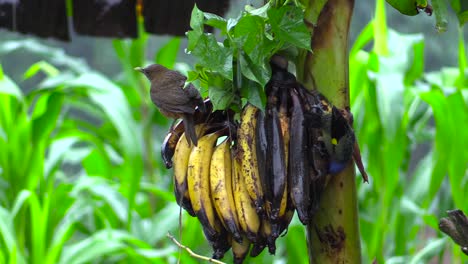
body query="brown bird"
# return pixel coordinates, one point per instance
(173, 100)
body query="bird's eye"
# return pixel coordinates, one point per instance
(334, 141)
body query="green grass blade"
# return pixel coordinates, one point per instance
(433, 248)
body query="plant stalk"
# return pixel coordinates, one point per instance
(333, 234)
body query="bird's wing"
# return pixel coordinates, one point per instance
(192, 92)
(176, 77)
(174, 100)
(195, 96)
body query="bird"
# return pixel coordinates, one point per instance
(167, 92)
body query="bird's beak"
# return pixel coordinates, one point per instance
(138, 69)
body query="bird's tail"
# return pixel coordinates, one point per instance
(191, 134)
(201, 105)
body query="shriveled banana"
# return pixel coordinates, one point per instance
(284, 122)
(276, 168)
(299, 179)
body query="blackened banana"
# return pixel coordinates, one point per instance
(170, 142)
(285, 131)
(319, 163)
(276, 167)
(240, 250)
(299, 180)
(317, 113)
(314, 111)
(284, 221)
(261, 150)
(262, 241)
(219, 240)
(278, 227)
(258, 248)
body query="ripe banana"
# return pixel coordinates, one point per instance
(221, 188)
(170, 142)
(181, 161)
(246, 142)
(249, 220)
(240, 250)
(199, 183)
(280, 163)
(299, 180)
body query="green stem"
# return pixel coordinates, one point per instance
(380, 29)
(333, 235)
(461, 58)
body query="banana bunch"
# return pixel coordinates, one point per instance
(244, 180)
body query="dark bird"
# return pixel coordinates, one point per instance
(173, 100)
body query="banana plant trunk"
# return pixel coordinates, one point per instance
(333, 234)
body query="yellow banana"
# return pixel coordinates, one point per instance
(221, 188)
(249, 220)
(240, 250)
(284, 201)
(199, 184)
(180, 165)
(246, 137)
(181, 159)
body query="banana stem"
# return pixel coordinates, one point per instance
(333, 234)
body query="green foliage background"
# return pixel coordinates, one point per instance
(81, 180)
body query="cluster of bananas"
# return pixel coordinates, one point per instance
(244, 180)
